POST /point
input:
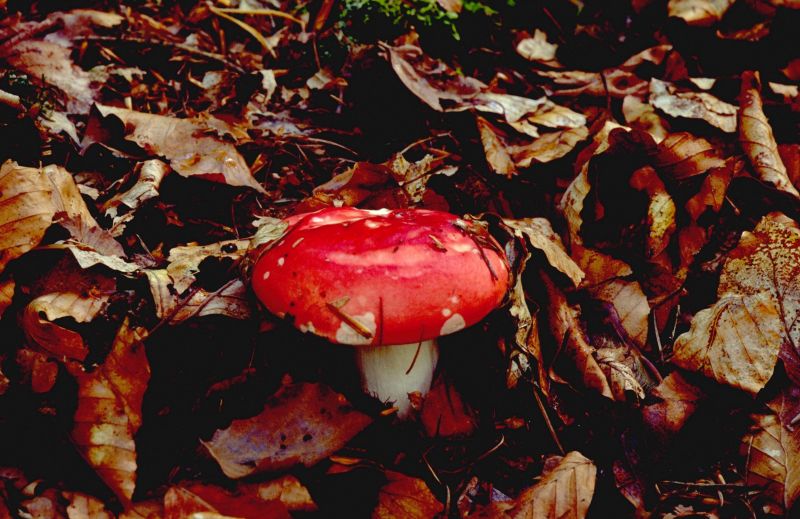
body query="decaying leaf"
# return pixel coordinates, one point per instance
(120, 208)
(566, 328)
(537, 48)
(444, 412)
(230, 299)
(184, 261)
(443, 90)
(630, 306)
(564, 491)
(771, 452)
(548, 147)
(82, 506)
(698, 12)
(7, 287)
(190, 145)
(694, 105)
(683, 155)
(199, 501)
(30, 198)
(301, 424)
(660, 209)
(756, 137)
(738, 340)
(404, 497)
(495, 149)
(110, 410)
(642, 116)
(289, 491)
(620, 367)
(539, 234)
(678, 401)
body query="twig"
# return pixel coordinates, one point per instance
(547, 419)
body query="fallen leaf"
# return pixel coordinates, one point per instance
(83, 506)
(121, 207)
(564, 491)
(599, 267)
(444, 412)
(444, 90)
(615, 82)
(30, 198)
(539, 234)
(51, 62)
(404, 497)
(201, 501)
(620, 367)
(189, 145)
(366, 184)
(7, 287)
(698, 12)
(289, 491)
(301, 424)
(537, 48)
(568, 333)
(683, 155)
(660, 209)
(693, 105)
(184, 261)
(642, 116)
(771, 451)
(756, 137)
(495, 149)
(678, 401)
(109, 410)
(630, 306)
(548, 147)
(230, 300)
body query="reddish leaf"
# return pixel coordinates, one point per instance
(404, 497)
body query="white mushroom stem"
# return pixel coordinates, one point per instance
(391, 372)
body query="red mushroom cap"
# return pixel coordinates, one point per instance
(362, 277)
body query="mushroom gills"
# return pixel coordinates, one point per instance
(391, 372)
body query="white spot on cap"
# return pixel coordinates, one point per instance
(308, 327)
(379, 212)
(475, 251)
(281, 261)
(347, 335)
(338, 202)
(265, 276)
(462, 247)
(317, 219)
(452, 325)
(372, 224)
(454, 300)
(447, 312)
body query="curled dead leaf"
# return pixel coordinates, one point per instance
(756, 137)
(494, 147)
(548, 147)
(698, 12)
(109, 410)
(301, 424)
(693, 105)
(630, 306)
(539, 234)
(190, 145)
(404, 497)
(678, 401)
(683, 155)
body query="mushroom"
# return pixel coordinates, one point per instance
(386, 281)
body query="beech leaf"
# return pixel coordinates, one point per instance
(404, 497)
(756, 137)
(698, 12)
(301, 424)
(666, 97)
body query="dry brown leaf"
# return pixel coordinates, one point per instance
(110, 410)
(630, 305)
(289, 491)
(599, 267)
(679, 401)
(301, 424)
(736, 342)
(37, 370)
(537, 48)
(755, 135)
(698, 12)
(549, 147)
(444, 90)
(30, 198)
(683, 155)
(121, 207)
(366, 185)
(565, 491)
(642, 116)
(51, 62)
(230, 300)
(7, 287)
(191, 146)
(404, 497)
(771, 451)
(568, 333)
(693, 105)
(614, 82)
(539, 234)
(85, 300)
(660, 209)
(83, 506)
(526, 339)
(712, 192)
(201, 501)
(619, 365)
(184, 261)
(494, 147)
(572, 201)
(444, 413)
